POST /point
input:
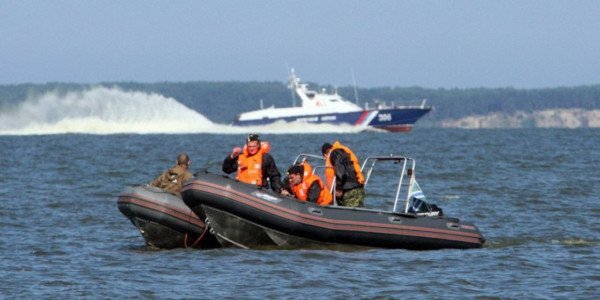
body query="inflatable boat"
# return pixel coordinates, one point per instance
(163, 220)
(247, 216)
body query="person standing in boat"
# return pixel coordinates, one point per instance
(349, 181)
(172, 180)
(254, 165)
(307, 186)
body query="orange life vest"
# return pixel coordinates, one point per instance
(250, 166)
(330, 171)
(308, 178)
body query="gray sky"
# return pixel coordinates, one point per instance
(521, 44)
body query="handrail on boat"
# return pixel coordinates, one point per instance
(397, 160)
(302, 157)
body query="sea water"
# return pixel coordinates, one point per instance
(533, 193)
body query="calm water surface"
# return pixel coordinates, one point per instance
(532, 192)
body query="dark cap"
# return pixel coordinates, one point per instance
(325, 147)
(295, 169)
(253, 137)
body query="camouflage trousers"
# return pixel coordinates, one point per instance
(354, 198)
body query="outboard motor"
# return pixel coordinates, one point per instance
(423, 208)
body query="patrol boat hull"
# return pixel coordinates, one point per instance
(163, 220)
(246, 216)
(393, 120)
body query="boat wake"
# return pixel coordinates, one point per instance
(103, 110)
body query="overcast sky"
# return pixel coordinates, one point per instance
(521, 44)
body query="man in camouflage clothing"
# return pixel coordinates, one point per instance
(349, 181)
(172, 180)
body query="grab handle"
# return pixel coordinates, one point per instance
(395, 220)
(315, 211)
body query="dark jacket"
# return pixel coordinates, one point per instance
(268, 170)
(314, 191)
(345, 175)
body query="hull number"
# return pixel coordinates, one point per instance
(384, 117)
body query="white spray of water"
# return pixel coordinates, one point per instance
(103, 110)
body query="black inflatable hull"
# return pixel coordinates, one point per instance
(246, 216)
(163, 220)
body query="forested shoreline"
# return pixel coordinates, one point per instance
(232, 98)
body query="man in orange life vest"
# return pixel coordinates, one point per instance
(253, 164)
(348, 178)
(307, 186)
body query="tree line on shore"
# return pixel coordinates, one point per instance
(232, 98)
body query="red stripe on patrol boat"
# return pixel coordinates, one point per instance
(364, 115)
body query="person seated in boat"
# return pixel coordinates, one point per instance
(307, 186)
(254, 165)
(172, 180)
(343, 165)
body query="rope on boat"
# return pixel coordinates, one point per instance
(197, 240)
(231, 241)
(185, 238)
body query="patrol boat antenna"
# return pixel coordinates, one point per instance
(292, 86)
(355, 90)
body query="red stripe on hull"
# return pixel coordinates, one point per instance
(186, 216)
(364, 115)
(397, 128)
